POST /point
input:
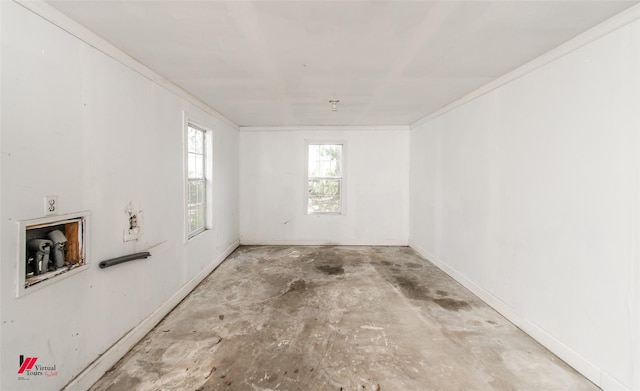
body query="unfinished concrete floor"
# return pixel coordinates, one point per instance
(336, 318)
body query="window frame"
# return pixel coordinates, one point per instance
(342, 178)
(207, 170)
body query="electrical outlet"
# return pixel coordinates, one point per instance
(50, 205)
(133, 232)
(134, 223)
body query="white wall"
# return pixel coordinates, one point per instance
(529, 195)
(272, 172)
(79, 125)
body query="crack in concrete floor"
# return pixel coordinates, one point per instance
(336, 318)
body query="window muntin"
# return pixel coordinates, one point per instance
(324, 178)
(196, 207)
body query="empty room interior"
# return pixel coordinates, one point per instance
(320, 195)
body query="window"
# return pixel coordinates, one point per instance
(196, 192)
(324, 178)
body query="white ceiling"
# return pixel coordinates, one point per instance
(263, 63)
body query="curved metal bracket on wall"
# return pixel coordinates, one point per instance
(125, 258)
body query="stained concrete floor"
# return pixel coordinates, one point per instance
(336, 318)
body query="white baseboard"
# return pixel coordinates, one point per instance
(102, 364)
(568, 355)
(315, 242)
(609, 383)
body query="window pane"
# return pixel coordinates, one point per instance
(332, 156)
(313, 160)
(193, 220)
(191, 140)
(327, 204)
(192, 193)
(196, 218)
(195, 140)
(195, 192)
(324, 196)
(196, 181)
(201, 192)
(325, 178)
(191, 165)
(198, 166)
(201, 216)
(324, 186)
(325, 160)
(199, 142)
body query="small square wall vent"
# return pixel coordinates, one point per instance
(50, 249)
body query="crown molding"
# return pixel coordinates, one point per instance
(327, 128)
(610, 25)
(52, 15)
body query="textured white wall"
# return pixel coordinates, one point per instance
(529, 196)
(80, 125)
(272, 175)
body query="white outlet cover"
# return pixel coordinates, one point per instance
(50, 205)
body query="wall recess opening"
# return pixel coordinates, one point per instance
(51, 248)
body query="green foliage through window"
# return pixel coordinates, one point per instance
(196, 181)
(325, 178)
